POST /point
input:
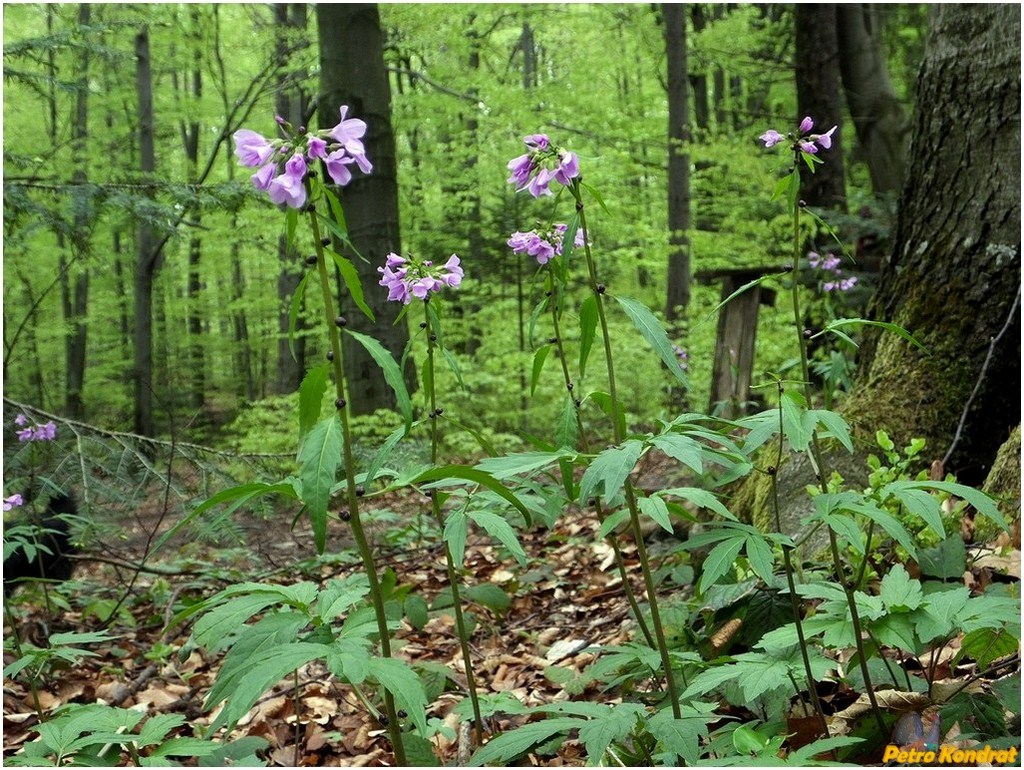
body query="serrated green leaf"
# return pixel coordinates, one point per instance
(456, 528)
(649, 327)
(835, 425)
(720, 561)
(681, 448)
(415, 608)
(899, 591)
(401, 681)
(619, 721)
(946, 560)
(501, 530)
(511, 744)
(612, 521)
(382, 454)
(567, 425)
(454, 366)
(702, 498)
(350, 276)
(521, 462)
(682, 736)
(311, 396)
(569, 236)
(392, 374)
(610, 470)
(987, 645)
(604, 401)
(893, 527)
(265, 668)
(655, 508)
(760, 556)
(981, 502)
(319, 458)
(336, 211)
(588, 329)
(538, 366)
(797, 422)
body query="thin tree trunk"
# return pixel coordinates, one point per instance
(190, 132)
(817, 96)
(699, 81)
(881, 126)
(145, 261)
(352, 73)
(678, 162)
(292, 102)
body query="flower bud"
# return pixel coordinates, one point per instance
(345, 515)
(360, 491)
(325, 241)
(601, 288)
(553, 340)
(339, 403)
(341, 321)
(311, 259)
(330, 355)
(433, 338)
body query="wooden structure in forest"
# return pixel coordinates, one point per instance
(737, 333)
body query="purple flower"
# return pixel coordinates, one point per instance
(806, 141)
(542, 163)
(47, 432)
(416, 280)
(348, 133)
(290, 186)
(544, 247)
(317, 147)
(825, 140)
(251, 148)
(337, 163)
(26, 434)
(683, 357)
(20, 420)
(13, 502)
(261, 179)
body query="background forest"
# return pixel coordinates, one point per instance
(764, 509)
(466, 83)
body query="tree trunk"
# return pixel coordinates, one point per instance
(145, 262)
(190, 131)
(954, 273)
(699, 81)
(882, 129)
(817, 96)
(678, 162)
(292, 103)
(76, 298)
(352, 73)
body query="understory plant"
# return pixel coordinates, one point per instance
(710, 677)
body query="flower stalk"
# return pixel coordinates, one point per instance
(631, 502)
(435, 506)
(352, 496)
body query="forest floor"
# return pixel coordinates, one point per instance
(568, 599)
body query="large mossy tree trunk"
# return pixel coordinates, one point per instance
(953, 276)
(352, 73)
(954, 273)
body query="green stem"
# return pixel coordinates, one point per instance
(794, 600)
(613, 541)
(376, 595)
(634, 512)
(435, 502)
(815, 457)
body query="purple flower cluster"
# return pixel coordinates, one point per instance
(683, 356)
(544, 247)
(45, 432)
(13, 501)
(284, 163)
(406, 279)
(805, 140)
(541, 164)
(829, 265)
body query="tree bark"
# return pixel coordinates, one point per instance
(352, 73)
(699, 81)
(954, 273)
(817, 96)
(146, 256)
(292, 103)
(76, 297)
(678, 162)
(882, 128)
